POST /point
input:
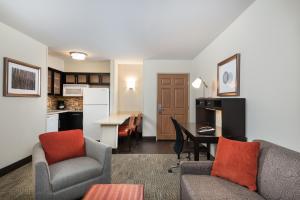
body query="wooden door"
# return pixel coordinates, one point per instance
(172, 101)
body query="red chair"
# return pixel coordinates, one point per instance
(126, 130)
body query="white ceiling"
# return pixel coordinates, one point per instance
(123, 29)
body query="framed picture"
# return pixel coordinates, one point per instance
(229, 76)
(21, 79)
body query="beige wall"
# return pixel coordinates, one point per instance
(150, 70)
(267, 35)
(130, 100)
(87, 66)
(21, 119)
(56, 62)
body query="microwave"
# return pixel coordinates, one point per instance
(74, 90)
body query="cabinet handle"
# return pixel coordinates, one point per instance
(76, 114)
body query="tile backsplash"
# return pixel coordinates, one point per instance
(71, 103)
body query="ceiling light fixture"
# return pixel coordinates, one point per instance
(78, 55)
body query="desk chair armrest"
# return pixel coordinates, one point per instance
(41, 174)
(101, 153)
(196, 167)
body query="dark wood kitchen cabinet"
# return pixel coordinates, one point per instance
(95, 79)
(76, 78)
(82, 78)
(57, 83)
(70, 121)
(50, 75)
(99, 78)
(54, 82)
(105, 79)
(63, 121)
(70, 78)
(76, 120)
(87, 78)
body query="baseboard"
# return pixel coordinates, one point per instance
(15, 165)
(149, 138)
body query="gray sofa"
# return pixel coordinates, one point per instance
(70, 179)
(278, 178)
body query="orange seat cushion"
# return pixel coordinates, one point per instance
(59, 146)
(237, 161)
(123, 130)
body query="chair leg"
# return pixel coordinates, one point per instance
(136, 137)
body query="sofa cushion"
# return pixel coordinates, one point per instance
(279, 172)
(73, 171)
(62, 145)
(237, 162)
(207, 187)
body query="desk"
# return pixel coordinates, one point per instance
(109, 129)
(190, 129)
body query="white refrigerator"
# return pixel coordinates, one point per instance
(95, 108)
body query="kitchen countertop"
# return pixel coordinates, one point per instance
(114, 119)
(52, 112)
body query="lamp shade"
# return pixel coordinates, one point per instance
(197, 83)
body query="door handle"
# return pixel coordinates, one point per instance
(159, 108)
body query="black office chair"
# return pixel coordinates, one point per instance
(181, 145)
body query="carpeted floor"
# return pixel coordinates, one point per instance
(148, 169)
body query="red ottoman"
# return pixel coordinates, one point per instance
(115, 192)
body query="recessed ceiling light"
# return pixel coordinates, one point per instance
(78, 55)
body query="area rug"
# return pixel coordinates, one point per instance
(148, 169)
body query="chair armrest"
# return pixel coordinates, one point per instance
(196, 167)
(41, 174)
(100, 152)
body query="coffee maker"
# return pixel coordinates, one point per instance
(60, 104)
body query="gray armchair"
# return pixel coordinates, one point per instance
(70, 179)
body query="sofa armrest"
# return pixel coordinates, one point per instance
(100, 152)
(196, 167)
(41, 175)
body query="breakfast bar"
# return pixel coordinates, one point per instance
(109, 129)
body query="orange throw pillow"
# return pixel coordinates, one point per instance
(237, 161)
(59, 146)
